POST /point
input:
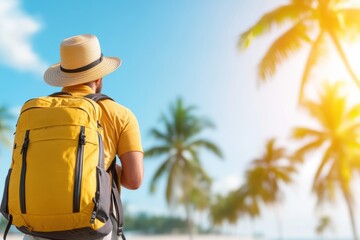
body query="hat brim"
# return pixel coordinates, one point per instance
(55, 77)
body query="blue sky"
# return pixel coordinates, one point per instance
(170, 49)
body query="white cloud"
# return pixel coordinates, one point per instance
(16, 30)
(227, 184)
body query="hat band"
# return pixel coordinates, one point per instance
(84, 68)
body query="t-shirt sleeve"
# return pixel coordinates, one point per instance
(130, 138)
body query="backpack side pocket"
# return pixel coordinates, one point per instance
(102, 197)
(4, 208)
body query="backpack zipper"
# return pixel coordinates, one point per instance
(23, 172)
(96, 199)
(78, 170)
(101, 162)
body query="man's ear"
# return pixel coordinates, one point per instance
(98, 85)
(98, 82)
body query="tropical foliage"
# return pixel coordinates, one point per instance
(317, 25)
(337, 133)
(179, 142)
(149, 224)
(262, 186)
(324, 224)
(313, 22)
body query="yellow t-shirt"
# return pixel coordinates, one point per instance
(121, 129)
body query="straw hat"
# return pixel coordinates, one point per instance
(81, 62)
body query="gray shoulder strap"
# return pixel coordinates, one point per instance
(98, 97)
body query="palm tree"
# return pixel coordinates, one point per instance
(179, 142)
(313, 22)
(338, 133)
(268, 173)
(233, 206)
(263, 182)
(197, 196)
(236, 204)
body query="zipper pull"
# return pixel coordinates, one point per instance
(96, 207)
(82, 139)
(26, 143)
(94, 213)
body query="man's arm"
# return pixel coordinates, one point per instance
(132, 170)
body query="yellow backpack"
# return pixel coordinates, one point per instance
(57, 186)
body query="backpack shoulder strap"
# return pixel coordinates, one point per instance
(98, 97)
(59, 94)
(93, 96)
(116, 201)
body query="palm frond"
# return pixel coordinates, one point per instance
(183, 123)
(212, 147)
(316, 110)
(333, 106)
(170, 132)
(304, 132)
(197, 173)
(350, 21)
(159, 172)
(198, 124)
(350, 135)
(170, 184)
(318, 51)
(157, 134)
(353, 113)
(280, 50)
(285, 173)
(324, 161)
(282, 14)
(300, 153)
(325, 190)
(194, 154)
(157, 151)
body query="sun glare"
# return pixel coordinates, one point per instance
(352, 3)
(332, 69)
(352, 52)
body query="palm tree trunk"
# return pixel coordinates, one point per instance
(344, 58)
(351, 214)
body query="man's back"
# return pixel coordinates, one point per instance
(80, 72)
(121, 137)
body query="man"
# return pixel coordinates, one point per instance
(80, 73)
